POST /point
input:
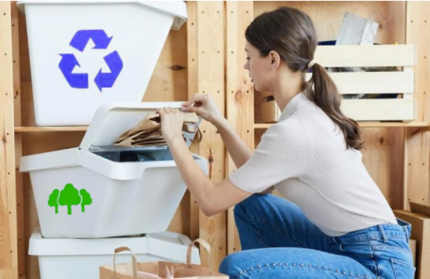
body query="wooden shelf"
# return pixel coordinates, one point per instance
(50, 129)
(415, 124)
(369, 125)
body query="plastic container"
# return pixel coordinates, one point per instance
(86, 53)
(82, 258)
(80, 194)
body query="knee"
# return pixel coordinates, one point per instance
(253, 206)
(231, 265)
(250, 205)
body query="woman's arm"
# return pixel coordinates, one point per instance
(212, 198)
(237, 149)
(205, 106)
(284, 152)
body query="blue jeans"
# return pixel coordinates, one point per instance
(278, 241)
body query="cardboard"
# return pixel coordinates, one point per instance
(413, 246)
(148, 131)
(419, 218)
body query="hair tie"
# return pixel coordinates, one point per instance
(310, 64)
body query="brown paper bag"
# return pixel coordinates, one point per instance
(148, 131)
(160, 269)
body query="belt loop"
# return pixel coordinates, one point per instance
(406, 233)
(384, 236)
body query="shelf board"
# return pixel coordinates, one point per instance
(256, 126)
(363, 124)
(50, 129)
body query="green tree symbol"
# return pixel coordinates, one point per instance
(53, 199)
(86, 199)
(69, 196)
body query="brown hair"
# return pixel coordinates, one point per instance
(292, 35)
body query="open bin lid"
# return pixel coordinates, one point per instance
(175, 8)
(113, 119)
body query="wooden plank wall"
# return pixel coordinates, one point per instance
(8, 210)
(384, 152)
(239, 91)
(193, 89)
(418, 140)
(18, 140)
(210, 60)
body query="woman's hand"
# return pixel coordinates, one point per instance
(171, 124)
(204, 106)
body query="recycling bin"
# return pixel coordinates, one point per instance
(84, 193)
(82, 258)
(86, 53)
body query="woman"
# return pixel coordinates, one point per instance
(334, 221)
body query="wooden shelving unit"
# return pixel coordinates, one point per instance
(414, 124)
(181, 71)
(50, 129)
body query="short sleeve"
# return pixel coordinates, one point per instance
(284, 152)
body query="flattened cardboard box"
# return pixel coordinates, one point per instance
(419, 218)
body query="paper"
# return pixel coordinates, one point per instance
(148, 131)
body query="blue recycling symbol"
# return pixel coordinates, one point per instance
(69, 61)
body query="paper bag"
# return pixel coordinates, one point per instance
(148, 131)
(160, 269)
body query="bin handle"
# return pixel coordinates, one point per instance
(133, 260)
(203, 242)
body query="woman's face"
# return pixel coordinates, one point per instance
(260, 68)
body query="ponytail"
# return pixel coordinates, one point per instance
(326, 96)
(291, 33)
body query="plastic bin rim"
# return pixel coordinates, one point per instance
(140, 245)
(179, 12)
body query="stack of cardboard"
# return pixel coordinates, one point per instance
(419, 218)
(148, 131)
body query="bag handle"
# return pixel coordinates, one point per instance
(133, 260)
(198, 133)
(202, 242)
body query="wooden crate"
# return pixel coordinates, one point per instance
(402, 82)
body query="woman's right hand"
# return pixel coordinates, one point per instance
(203, 105)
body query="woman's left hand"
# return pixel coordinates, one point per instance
(171, 123)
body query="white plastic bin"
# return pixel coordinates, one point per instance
(119, 198)
(82, 258)
(86, 53)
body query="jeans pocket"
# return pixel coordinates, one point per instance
(402, 269)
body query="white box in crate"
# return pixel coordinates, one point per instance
(86, 53)
(80, 194)
(82, 258)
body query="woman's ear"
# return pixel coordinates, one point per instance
(275, 60)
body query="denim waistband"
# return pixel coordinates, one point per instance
(379, 232)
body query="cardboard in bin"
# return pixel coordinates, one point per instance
(419, 218)
(80, 194)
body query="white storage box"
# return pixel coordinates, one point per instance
(82, 258)
(86, 53)
(80, 194)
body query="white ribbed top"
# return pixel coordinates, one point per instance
(304, 155)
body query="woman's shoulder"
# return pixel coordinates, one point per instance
(294, 129)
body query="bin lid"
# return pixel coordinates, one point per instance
(168, 245)
(175, 8)
(113, 119)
